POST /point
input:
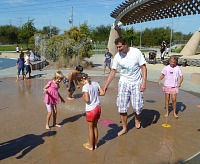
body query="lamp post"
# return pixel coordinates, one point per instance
(171, 36)
(71, 18)
(50, 30)
(141, 38)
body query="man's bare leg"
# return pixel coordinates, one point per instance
(137, 122)
(124, 123)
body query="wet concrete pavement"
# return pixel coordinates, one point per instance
(23, 137)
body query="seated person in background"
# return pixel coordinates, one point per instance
(38, 57)
(17, 49)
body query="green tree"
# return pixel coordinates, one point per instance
(8, 34)
(131, 36)
(70, 47)
(101, 33)
(26, 32)
(50, 30)
(85, 29)
(80, 44)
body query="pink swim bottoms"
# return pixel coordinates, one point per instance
(170, 90)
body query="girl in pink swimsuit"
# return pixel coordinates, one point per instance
(52, 98)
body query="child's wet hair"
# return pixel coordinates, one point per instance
(79, 68)
(173, 58)
(83, 76)
(58, 75)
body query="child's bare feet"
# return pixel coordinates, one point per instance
(175, 116)
(137, 123)
(198, 106)
(56, 125)
(167, 114)
(70, 98)
(87, 146)
(123, 131)
(16, 80)
(47, 127)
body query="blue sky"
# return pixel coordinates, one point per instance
(95, 12)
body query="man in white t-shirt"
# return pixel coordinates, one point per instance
(132, 82)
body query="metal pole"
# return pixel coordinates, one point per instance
(171, 36)
(50, 30)
(141, 38)
(72, 16)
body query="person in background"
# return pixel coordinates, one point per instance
(132, 82)
(167, 51)
(163, 50)
(17, 49)
(91, 92)
(171, 73)
(20, 66)
(27, 65)
(21, 48)
(107, 62)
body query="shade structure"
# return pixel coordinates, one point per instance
(136, 11)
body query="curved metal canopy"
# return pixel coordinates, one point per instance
(136, 11)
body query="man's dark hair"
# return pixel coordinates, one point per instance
(79, 68)
(120, 40)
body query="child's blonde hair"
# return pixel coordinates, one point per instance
(58, 75)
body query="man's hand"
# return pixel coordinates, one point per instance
(105, 88)
(143, 87)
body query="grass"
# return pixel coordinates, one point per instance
(13, 47)
(7, 48)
